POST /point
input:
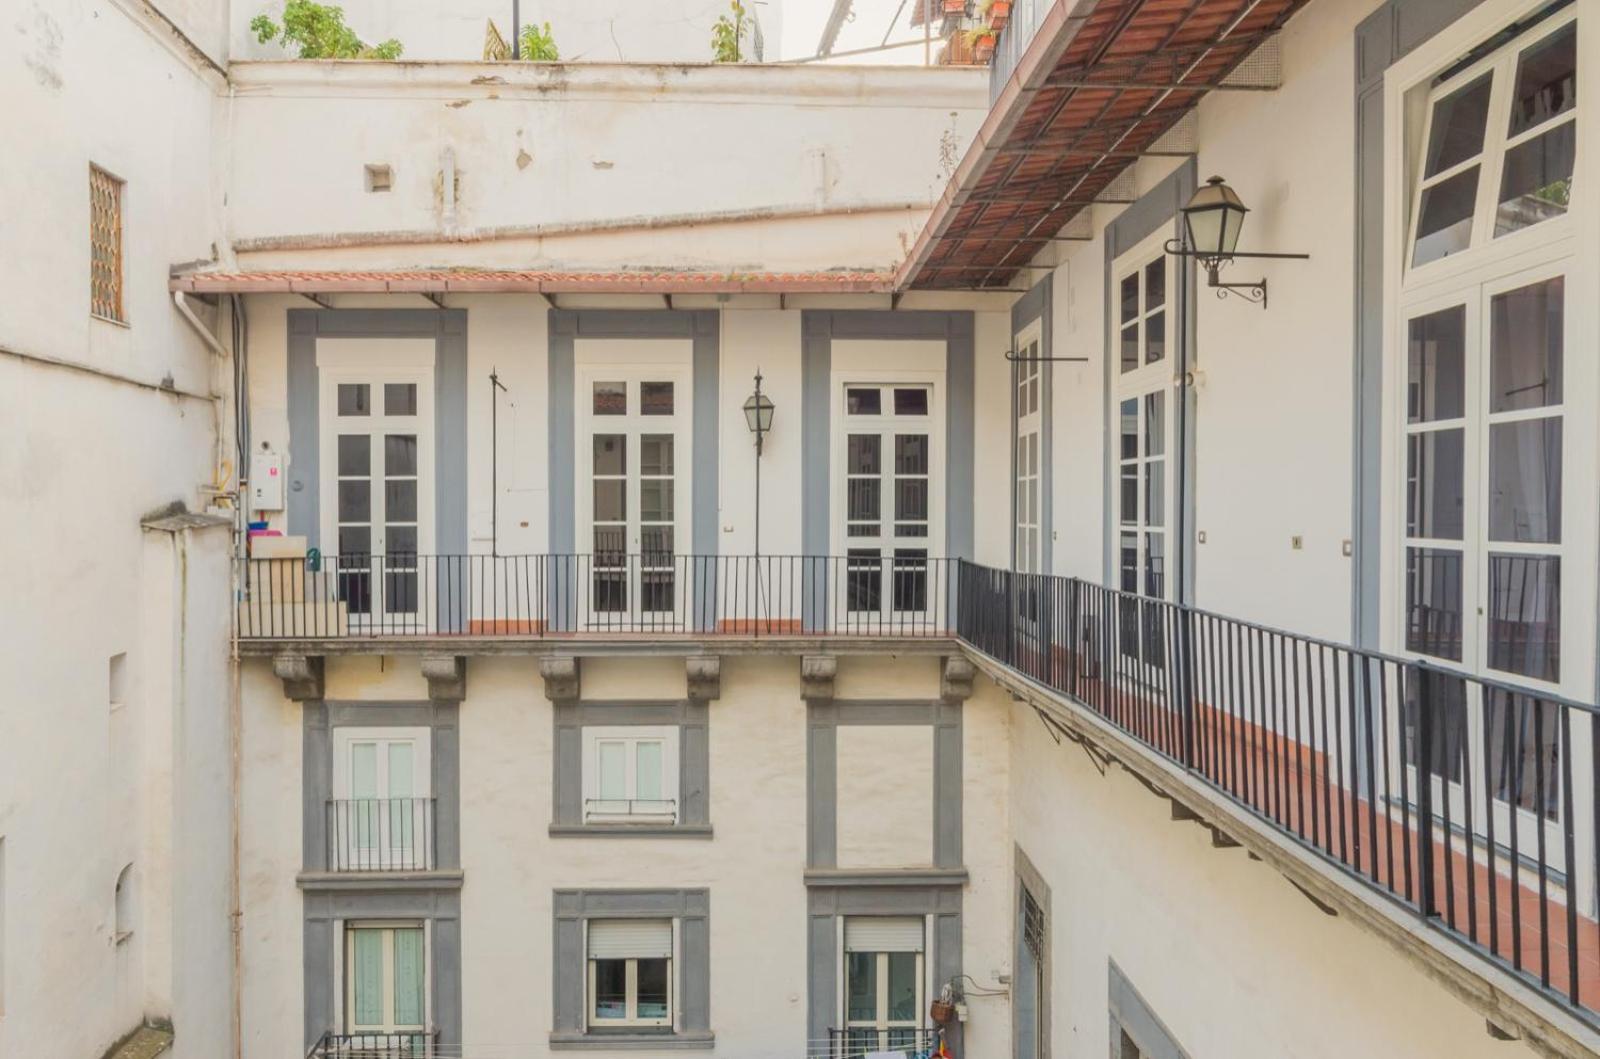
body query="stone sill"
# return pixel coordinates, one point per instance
(827, 877)
(699, 831)
(649, 1042)
(378, 881)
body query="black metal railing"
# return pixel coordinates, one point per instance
(380, 834)
(1468, 799)
(335, 597)
(410, 1044)
(856, 1042)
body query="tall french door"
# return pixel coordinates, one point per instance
(377, 489)
(633, 492)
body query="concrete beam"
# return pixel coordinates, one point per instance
(301, 675)
(446, 675)
(817, 675)
(561, 675)
(705, 676)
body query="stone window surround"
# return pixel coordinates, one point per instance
(689, 716)
(330, 899)
(1130, 1012)
(1032, 881)
(691, 911)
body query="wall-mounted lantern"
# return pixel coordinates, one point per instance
(758, 410)
(1212, 222)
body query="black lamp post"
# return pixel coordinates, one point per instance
(1212, 222)
(758, 417)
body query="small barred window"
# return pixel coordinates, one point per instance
(105, 245)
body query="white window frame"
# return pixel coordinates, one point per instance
(346, 963)
(344, 740)
(886, 425)
(1562, 245)
(881, 1024)
(599, 811)
(631, 1019)
(1028, 387)
(374, 363)
(1501, 65)
(633, 364)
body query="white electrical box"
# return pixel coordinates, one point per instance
(266, 481)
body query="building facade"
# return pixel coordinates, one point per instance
(1080, 653)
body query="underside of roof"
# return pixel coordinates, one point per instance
(444, 281)
(1102, 83)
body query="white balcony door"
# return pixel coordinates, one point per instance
(377, 489)
(381, 790)
(634, 453)
(386, 987)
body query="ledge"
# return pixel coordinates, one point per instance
(630, 830)
(633, 1042)
(828, 877)
(596, 647)
(378, 881)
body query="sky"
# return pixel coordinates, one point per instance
(871, 20)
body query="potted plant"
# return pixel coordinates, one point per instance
(999, 12)
(955, 7)
(982, 40)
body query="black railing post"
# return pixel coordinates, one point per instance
(1423, 752)
(1186, 689)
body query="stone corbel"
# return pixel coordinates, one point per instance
(705, 676)
(446, 675)
(561, 677)
(301, 675)
(817, 674)
(955, 678)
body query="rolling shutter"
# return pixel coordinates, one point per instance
(622, 939)
(882, 934)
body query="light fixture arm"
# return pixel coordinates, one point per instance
(1255, 292)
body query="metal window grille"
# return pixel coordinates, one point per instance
(1032, 926)
(105, 245)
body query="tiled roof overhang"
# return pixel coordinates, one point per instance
(463, 281)
(1097, 86)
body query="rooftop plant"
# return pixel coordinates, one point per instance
(727, 36)
(320, 33)
(539, 44)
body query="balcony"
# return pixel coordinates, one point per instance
(859, 1042)
(415, 1044)
(380, 834)
(605, 596)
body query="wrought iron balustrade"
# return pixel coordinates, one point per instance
(409, 1044)
(855, 1042)
(380, 834)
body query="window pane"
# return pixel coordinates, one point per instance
(652, 988)
(1524, 752)
(408, 976)
(1435, 375)
(399, 454)
(655, 398)
(903, 987)
(1547, 80)
(400, 592)
(610, 398)
(1525, 615)
(355, 399)
(613, 757)
(911, 454)
(610, 503)
(1155, 423)
(655, 453)
(1155, 337)
(1130, 347)
(399, 398)
(1155, 284)
(1154, 494)
(647, 771)
(1446, 697)
(1458, 125)
(355, 540)
(402, 782)
(1445, 224)
(1130, 297)
(610, 454)
(368, 978)
(861, 986)
(610, 989)
(910, 579)
(863, 401)
(609, 545)
(1537, 182)
(1433, 602)
(1155, 573)
(1128, 563)
(1130, 428)
(862, 501)
(1128, 509)
(355, 501)
(655, 542)
(864, 580)
(910, 401)
(1435, 484)
(862, 455)
(911, 499)
(400, 542)
(655, 500)
(355, 454)
(363, 770)
(1525, 481)
(400, 500)
(1525, 345)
